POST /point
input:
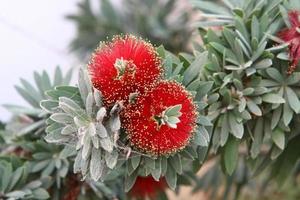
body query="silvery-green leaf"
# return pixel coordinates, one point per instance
(130, 180)
(15, 178)
(96, 141)
(293, 78)
(156, 172)
(203, 89)
(17, 194)
(246, 115)
(101, 130)
(242, 105)
(115, 123)
(84, 166)
(49, 169)
(84, 84)
(275, 74)
(77, 162)
(87, 147)
(293, 100)
(265, 63)
(62, 118)
(194, 69)
(111, 159)
(164, 165)
(80, 122)
(56, 137)
(68, 130)
(150, 162)
(253, 108)
(199, 139)
(89, 104)
(67, 151)
(248, 91)
(273, 98)
(70, 103)
(101, 114)
(135, 161)
(49, 105)
(174, 110)
(92, 129)
(98, 98)
(106, 144)
(96, 164)
(204, 121)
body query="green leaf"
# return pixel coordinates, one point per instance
(194, 69)
(276, 117)
(278, 137)
(203, 89)
(130, 180)
(200, 139)
(203, 120)
(171, 177)
(40, 193)
(16, 176)
(17, 194)
(265, 63)
(236, 128)
(111, 159)
(293, 99)
(275, 74)
(135, 161)
(175, 161)
(287, 114)
(273, 98)
(253, 108)
(258, 138)
(230, 156)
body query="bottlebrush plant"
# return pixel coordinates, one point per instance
(141, 119)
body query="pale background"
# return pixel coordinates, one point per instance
(34, 35)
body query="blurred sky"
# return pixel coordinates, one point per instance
(33, 36)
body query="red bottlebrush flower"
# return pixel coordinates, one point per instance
(161, 121)
(292, 36)
(124, 66)
(147, 187)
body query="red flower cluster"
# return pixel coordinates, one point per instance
(143, 120)
(161, 116)
(124, 66)
(292, 36)
(147, 187)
